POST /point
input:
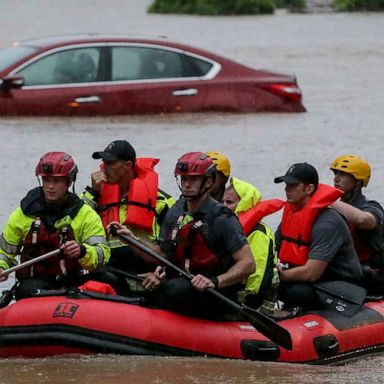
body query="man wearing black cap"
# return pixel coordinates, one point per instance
(125, 189)
(313, 241)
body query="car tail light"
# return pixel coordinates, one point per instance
(290, 91)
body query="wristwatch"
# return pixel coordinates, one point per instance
(215, 281)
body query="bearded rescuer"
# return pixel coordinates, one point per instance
(365, 217)
(203, 237)
(52, 217)
(126, 189)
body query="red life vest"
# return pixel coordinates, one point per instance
(141, 200)
(363, 248)
(98, 286)
(192, 252)
(40, 241)
(250, 218)
(296, 225)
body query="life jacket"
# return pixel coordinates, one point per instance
(363, 249)
(250, 218)
(141, 199)
(263, 250)
(193, 251)
(40, 241)
(369, 245)
(98, 286)
(296, 225)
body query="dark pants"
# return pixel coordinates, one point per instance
(29, 286)
(373, 280)
(299, 295)
(125, 260)
(179, 295)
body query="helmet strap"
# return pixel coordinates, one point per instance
(201, 192)
(349, 197)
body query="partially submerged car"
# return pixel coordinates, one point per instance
(93, 74)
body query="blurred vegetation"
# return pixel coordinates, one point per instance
(253, 7)
(358, 5)
(292, 5)
(213, 7)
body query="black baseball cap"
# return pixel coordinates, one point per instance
(300, 173)
(117, 150)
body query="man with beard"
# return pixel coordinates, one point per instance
(365, 217)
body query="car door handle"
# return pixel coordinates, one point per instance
(87, 99)
(185, 92)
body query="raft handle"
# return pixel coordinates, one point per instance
(326, 345)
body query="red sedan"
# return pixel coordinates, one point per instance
(110, 75)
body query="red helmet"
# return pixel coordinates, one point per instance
(57, 164)
(195, 163)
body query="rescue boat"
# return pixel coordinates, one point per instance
(78, 324)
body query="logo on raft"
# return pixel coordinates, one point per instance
(65, 310)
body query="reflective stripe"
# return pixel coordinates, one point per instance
(9, 261)
(100, 254)
(115, 243)
(94, 240)
(8, 248)
(35, 229)
(91, 202)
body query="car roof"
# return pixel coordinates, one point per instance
(86, 38)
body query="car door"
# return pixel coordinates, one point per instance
(145, 79)
(62, 82)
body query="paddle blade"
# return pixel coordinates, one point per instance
(270, 329)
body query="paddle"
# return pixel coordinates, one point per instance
(7, 295)
(341, 296)
(262, 323)
(31, 262)
(123, 273)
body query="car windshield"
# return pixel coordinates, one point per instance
(10, 55)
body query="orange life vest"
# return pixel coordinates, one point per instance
(296, 225)
(250, 218)
(141, 200)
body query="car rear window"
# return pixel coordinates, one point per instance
(195, 67)
(144, 63)
(11, 55)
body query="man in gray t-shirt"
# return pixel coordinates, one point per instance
(329, 252)
(365, 217)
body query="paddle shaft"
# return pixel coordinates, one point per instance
(31, 262)
(123, 273)
(262, 323)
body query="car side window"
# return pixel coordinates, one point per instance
(141, 63)
(79, 65)
(195, 67)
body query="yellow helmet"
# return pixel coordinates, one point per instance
(221, 162)
(354, 165)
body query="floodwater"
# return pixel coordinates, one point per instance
(338, 59)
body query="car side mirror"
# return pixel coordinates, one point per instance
(11, 82)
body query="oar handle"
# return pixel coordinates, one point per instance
(262, 323)
(31, 262)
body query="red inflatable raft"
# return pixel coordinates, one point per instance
(53, 325)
